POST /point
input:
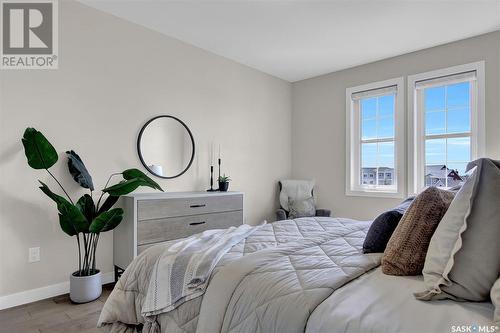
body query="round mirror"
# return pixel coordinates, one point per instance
(166, 147)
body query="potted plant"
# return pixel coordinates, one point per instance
(224, 183)
(84, 219)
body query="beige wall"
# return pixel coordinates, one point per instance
(113, 76)
(318, 118)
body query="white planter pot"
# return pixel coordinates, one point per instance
(83, 289)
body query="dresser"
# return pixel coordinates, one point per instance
(153, 218)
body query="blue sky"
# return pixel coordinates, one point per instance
(377, 121)
(447, 110)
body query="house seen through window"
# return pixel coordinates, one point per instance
(446, 107)
(375, 137)
(447, 133)
(377, 117)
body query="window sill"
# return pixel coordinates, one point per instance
(374, 194)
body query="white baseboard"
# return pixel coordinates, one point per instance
(38, 294)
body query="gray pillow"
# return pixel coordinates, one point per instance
(495, 299)
(301, 208)
(381, 231)
(463, 258)
(383, 226)
(403, 206)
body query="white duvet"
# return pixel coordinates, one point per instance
(311, 258)
(290, 276)
(275, 290)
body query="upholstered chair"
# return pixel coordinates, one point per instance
(291, 189)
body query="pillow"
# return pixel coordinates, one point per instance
(407, 247)
(495, 299)
(301, 208)
(463, 259)
(403, 207)
(382, 228)
(297, 189)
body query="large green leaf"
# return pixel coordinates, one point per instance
(78, 170)
(135, 173)
(125, 187)
(133, 179)
(38, 150)
(108, 203)
(86, 205)
(57, 198)
(106, 221)
(66, 225)
(71, 218)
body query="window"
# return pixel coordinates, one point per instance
(448, 124)
(375, 139)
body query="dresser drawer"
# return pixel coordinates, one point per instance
(159, 230)
(163, 208)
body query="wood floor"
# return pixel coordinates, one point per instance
(54, 315)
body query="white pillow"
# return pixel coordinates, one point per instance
(446, 241)
(301, 208)
(462, 261)
(295, 189)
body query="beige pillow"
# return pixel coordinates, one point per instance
(407, 247)
(495, 299)
(463, 259)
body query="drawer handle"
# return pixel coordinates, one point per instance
(197, 206)
(197, 223)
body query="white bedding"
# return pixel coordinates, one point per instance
(343, 237)
(294, 293)
(378, 303)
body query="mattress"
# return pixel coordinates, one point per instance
(379, 303)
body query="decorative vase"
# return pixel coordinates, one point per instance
(223, 186)
(83, 289)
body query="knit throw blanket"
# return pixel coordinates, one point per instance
(182, 271)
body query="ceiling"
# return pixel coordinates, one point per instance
(295, 40)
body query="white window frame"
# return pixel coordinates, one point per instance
(416, 126)
(353, 143)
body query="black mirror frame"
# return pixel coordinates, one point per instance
(139, 146)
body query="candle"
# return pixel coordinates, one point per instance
(212, 155)
(156, 169)
(219, 151)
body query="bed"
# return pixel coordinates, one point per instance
(376, 302)
(307, 274)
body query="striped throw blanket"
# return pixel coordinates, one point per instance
(182, 271)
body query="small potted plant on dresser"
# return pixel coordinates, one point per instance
(224, 183)
(84, 219)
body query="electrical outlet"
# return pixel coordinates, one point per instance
(34, 254)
